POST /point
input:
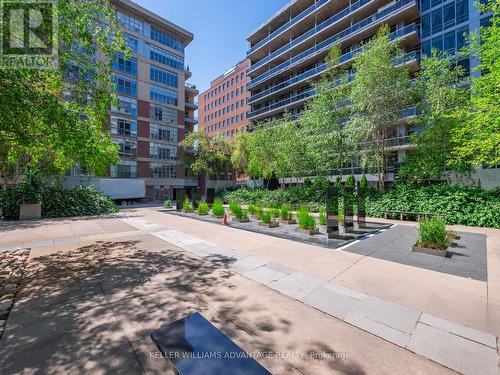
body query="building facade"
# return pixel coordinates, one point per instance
(156, 104)
(223, 108)
(287, 51)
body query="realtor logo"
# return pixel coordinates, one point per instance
(28, 30)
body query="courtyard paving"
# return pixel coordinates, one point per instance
(96, 288)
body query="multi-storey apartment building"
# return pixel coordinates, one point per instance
(156, 105)
(287, 51)
(223, 108)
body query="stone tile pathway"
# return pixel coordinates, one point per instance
(463, 349)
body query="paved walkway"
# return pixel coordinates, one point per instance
(464, 349)
(88, 305)
(97, 287)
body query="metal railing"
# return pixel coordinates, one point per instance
(321, 68)
(287, 25)
(322, 26)
(327, 43)
(311, 91)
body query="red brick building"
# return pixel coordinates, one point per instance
(223, 108)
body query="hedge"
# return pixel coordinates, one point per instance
(56, 201)
(456, 204)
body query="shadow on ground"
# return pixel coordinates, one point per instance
(92, 309)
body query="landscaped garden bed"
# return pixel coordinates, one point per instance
(12, 265)
(433, 238)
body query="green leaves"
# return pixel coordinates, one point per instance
(40, 131)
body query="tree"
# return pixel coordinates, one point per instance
(478, 139)
(239, 158)
(379, 93)
(211, 157)
(52, 119)
(276, 149)
(440, 93)
(322, 121)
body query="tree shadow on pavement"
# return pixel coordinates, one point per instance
(92, 309)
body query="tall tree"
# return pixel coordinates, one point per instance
(379, 93)
(440, 92)
(322, 121)
(478, 139)
(210, 157)
(52, 119)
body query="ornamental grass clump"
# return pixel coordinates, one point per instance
(286, 212)
(322, 218)
(186, 206)
(306, 221)
(218, 208)
(275, 213)
(432, 233)
(202, 208)
(234, 207)
(266, 217)
(167, 204)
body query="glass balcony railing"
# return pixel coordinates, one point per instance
(321, 68)
(287, 25)
(322, 26)
(414, 55)
(367, 22)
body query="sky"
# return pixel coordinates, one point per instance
(220, 29)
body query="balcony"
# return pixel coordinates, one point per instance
(192, 105)
(399, 143)
(191, 87)
(329, 42)
(287, 25)
(345, 58)
(191, 120)
(323, 26)
(297, 99)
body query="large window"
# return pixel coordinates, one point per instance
(131, 42)
(123, 126)
(131, 22)
(125, 85)
(127, 147)
(166, 39)
(126, 105)
(166, 57)
(163, 76)
(165, 133)
(157, 170)
(124, 169)
(125, 65)
(163, 95)
(160, 113)
(163, 152)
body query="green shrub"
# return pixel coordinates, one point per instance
(167, 204)
(363, 183)
(306, 221)
(275, 213)
(253, 209)
(218, 208)
(202, 208)
(456, 204)
(244, 215)
(186, 206)
(56, 201)
(350, 181)
(266, 217)
(338, 182)
(286, 212)
(233, 207)
(322, 218)
(432, 233)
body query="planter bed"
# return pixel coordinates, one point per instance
(430, 251)
(309, 232)
(288, 232)
(274, 224)
(290, 222)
